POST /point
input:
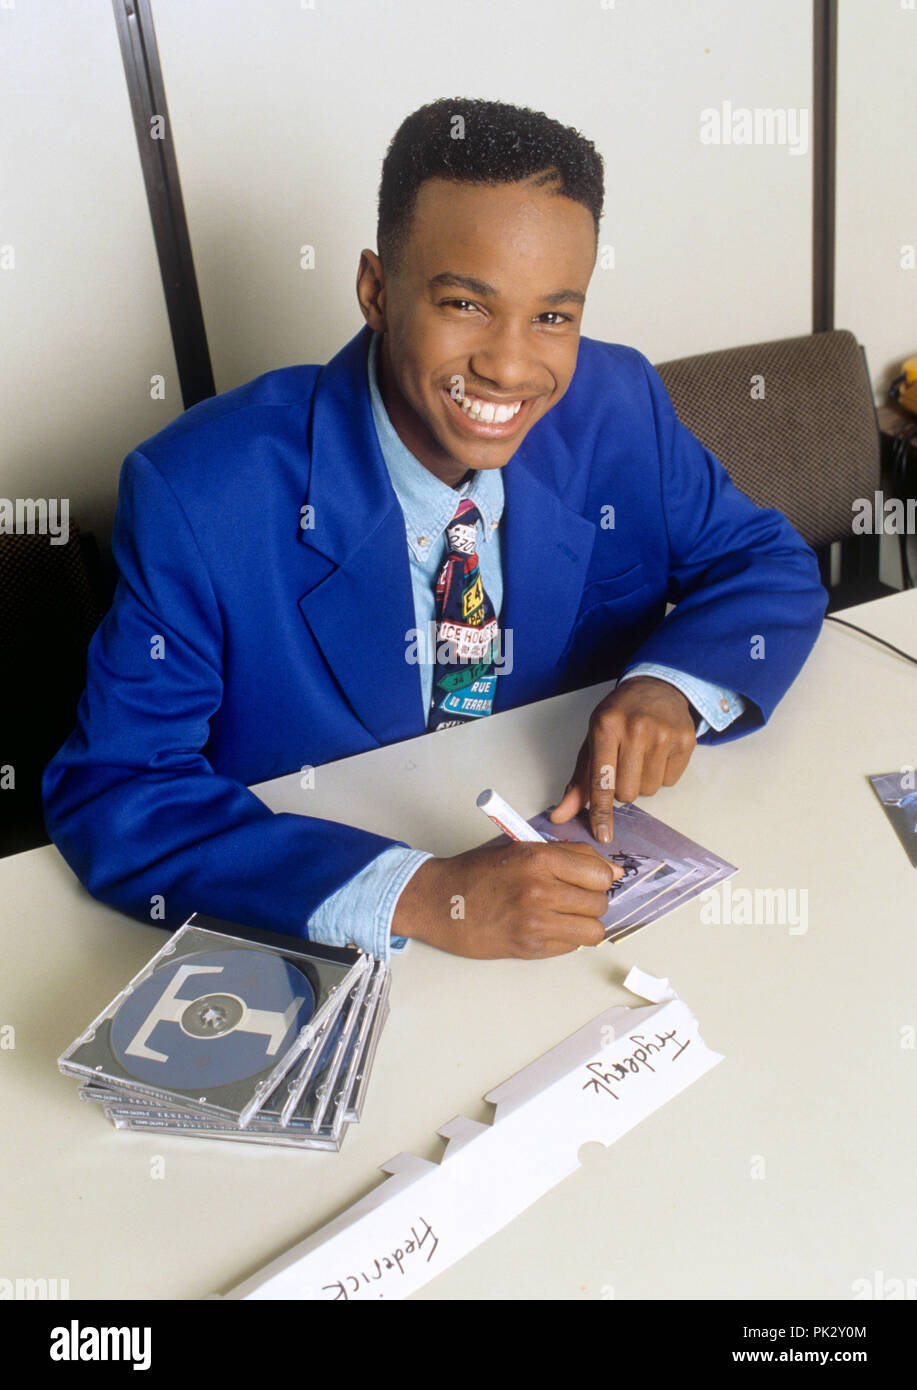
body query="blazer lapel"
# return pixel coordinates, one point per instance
(546, 552)
(361, 612)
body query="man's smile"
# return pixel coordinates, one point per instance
(489, 417)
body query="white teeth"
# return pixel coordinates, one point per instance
(489, 413)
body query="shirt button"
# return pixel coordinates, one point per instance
(422, 540)
(724, 705)
(494, 525)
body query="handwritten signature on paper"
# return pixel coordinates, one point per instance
(619, 1071)
(387, 1263)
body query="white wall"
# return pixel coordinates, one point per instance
(877, 180)
(282, 114)
(83, 324)
(876, 295)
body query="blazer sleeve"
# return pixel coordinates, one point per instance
(130, 800)
(748, 597)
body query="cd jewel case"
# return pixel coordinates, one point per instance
(227, 1037)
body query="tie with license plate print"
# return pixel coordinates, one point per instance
(467, 632)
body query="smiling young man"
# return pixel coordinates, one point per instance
(469, 462)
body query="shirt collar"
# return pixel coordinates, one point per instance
(428, 503)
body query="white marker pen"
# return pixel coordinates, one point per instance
(505, 818)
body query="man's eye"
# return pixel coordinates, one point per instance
(553, 315)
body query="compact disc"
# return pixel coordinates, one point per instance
(211, 1018)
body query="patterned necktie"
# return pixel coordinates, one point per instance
(467, 632)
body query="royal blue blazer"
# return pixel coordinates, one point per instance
(243, 644)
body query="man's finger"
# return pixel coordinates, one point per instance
(602, 783)
(595, 871)
(630, 763)
(655, 761)
(677, 762)
(567, 933)
(587, 903)
(576, 793)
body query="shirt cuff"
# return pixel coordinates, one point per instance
(360, 912)
(717, 705)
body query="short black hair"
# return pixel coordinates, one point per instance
(489, 142)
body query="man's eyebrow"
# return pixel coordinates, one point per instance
(481, 287)
(462, 282)
(565, 297)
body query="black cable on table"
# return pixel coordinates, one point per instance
(830, 618)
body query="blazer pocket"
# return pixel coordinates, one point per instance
(616, 586)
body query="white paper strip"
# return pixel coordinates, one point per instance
(648, 986)
(594, 1086)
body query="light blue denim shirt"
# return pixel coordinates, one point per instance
(361, 910)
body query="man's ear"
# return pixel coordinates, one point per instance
(371, 290)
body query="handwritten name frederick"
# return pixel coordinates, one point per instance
(602, 1079)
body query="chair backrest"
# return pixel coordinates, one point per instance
(806, 441)
(46, 595)
(51, 601)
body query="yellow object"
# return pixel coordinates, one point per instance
(907, 394)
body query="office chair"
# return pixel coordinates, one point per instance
(794, 423)
(52, 598)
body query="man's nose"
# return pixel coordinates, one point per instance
(501, 360)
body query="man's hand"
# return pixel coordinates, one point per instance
(640, 738)
(524, 900)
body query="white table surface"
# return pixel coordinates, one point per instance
(816, 1092)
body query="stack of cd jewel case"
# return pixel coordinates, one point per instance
(226, 1037)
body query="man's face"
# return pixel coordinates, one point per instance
(481, 319)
